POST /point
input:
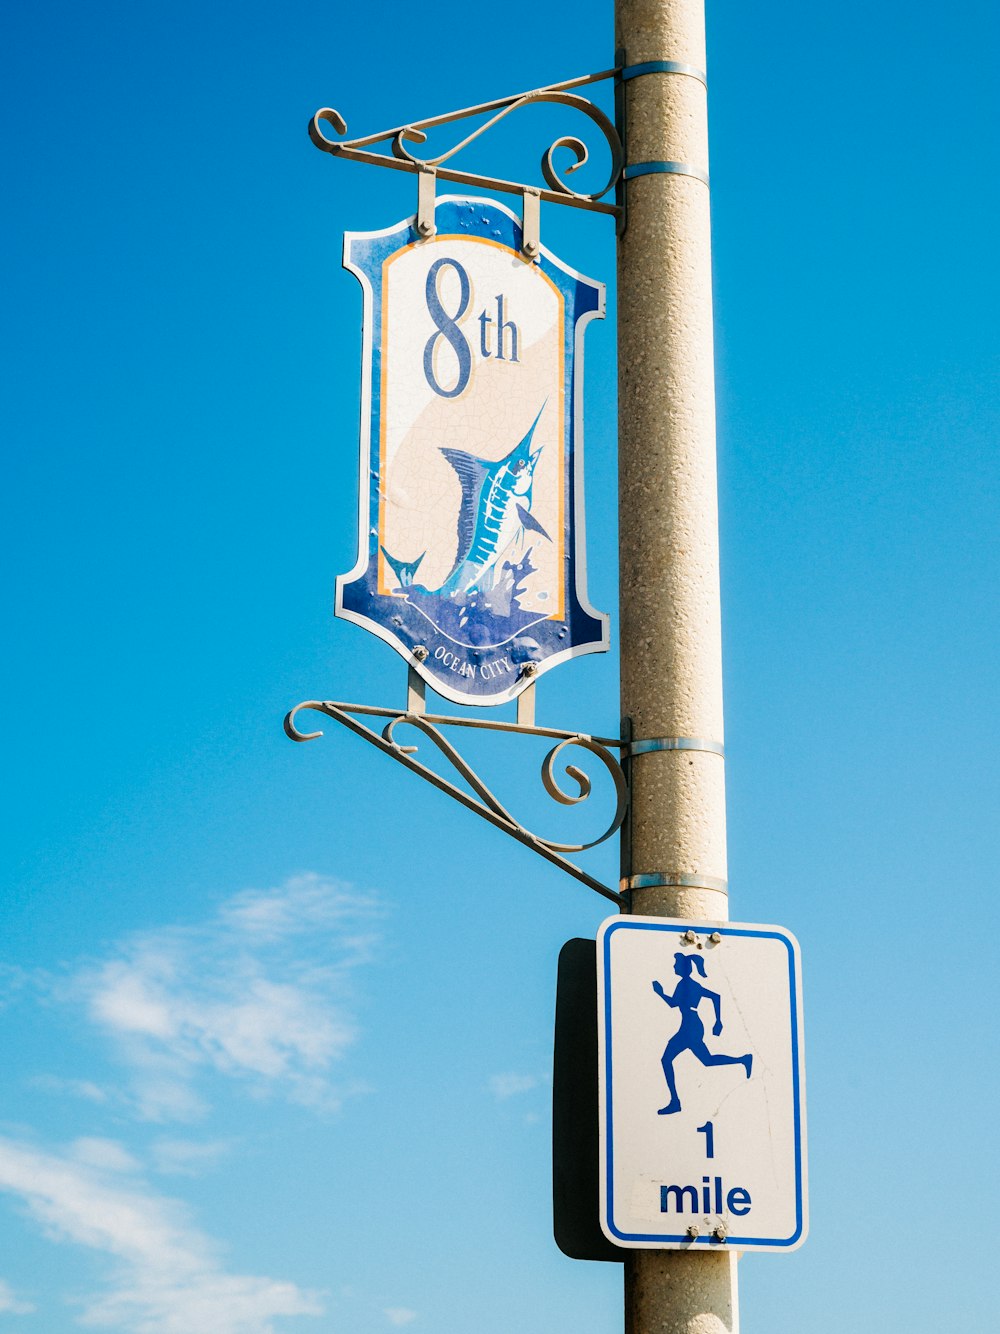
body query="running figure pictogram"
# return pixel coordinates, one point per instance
(688, 995)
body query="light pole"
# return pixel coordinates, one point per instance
(671, 657)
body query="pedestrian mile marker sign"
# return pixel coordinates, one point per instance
(471, 554)
(702, 1098)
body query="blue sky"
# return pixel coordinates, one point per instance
(277, 1024)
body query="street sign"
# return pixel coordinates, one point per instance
(702, 1111)
(471, 559)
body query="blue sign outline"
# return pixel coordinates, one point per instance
(392, 617)
(732, 1239)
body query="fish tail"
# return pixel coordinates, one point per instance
(404, 570)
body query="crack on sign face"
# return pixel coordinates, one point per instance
(761, 1068)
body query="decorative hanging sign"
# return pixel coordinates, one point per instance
(471, 559)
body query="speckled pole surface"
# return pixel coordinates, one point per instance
(671, 652)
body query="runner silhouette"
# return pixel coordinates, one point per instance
(688, 995)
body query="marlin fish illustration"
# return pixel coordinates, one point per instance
(495, 510)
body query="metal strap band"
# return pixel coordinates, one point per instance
(676, 743)
(664, 67)
(667, 880)
(673, 168)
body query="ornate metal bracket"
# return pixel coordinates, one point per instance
(483, 802)
(558, 192)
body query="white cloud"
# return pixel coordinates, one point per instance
(9, 1304)
(168, 1278)
(184, 1157)
(400, 1315)
(305, 903)
(13, 981)
(507, 1086)
(76, 1088)
(259, 992)
(107, 1154)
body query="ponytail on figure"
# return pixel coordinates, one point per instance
(687, 962)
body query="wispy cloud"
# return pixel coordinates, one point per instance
(74, 1088)
(16, 983)
(106, 1154)
(399, 1315)
(188, 1158)
(305, 903)
(260, 992)
(9, 1304)
(509, 1085)
(167, 1276)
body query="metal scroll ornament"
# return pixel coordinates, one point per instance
(402, 158)
(481, 799)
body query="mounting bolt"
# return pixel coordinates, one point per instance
(689, 937)
(715, 938)
(425, 228)
(693, 1232)
(529, 669)
(420, 652)
(719, 1233)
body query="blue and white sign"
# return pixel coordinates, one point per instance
(702, 1085)
(471, 556)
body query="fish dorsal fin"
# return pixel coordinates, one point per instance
(473, 474)
(528, 520)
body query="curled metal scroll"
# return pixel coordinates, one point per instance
(485, 802)
(558, 192)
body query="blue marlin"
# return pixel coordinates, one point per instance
(495, 510)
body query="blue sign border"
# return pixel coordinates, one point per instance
(581, 629)
(732, 1240)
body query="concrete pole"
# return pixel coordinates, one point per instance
(671, 652)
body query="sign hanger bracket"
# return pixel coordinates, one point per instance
(426, 187)
(481, 799)
(400, 156)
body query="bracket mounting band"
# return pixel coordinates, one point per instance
(670, 168)
(673, 880)
(676, 743)
(663, 67)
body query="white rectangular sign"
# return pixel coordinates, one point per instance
(702, 1096)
